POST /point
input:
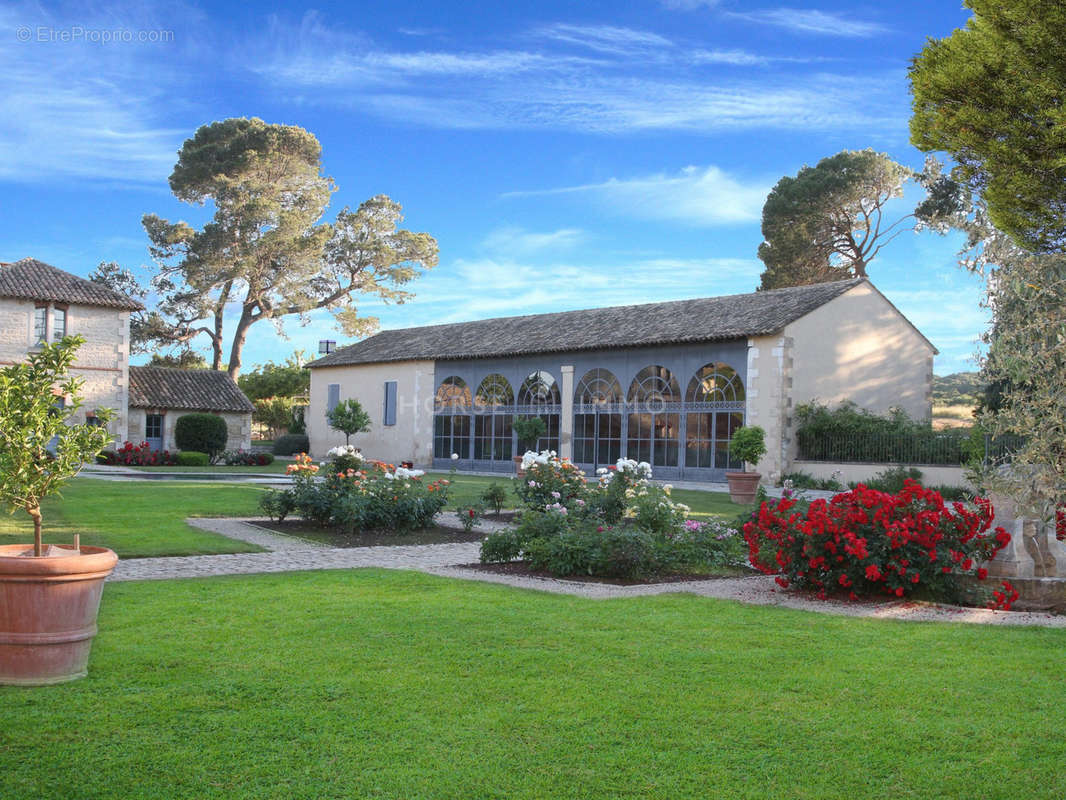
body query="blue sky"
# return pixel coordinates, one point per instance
(565, 155)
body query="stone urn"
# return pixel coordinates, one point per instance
(742, 486)
(1034, 561)
(48, 608)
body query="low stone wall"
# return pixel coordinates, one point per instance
(932, 475)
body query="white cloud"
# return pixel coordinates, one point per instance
(689, 5)
(81, 109)
(514, 240)
(822, 23)
(703, 196)
(633, 81)
(605, 38)
(740, 58)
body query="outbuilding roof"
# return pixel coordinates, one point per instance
(30, 279)
(186, 389)
(707, 319)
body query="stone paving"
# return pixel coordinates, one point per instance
(288, 553)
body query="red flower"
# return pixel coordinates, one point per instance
(982, 573)
(873, 573)
(782, 582)
(471, 513)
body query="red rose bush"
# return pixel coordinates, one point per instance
(864, 542)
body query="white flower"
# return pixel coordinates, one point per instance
(402, 472)
(455, 456)
(389, 476)
(602, 471)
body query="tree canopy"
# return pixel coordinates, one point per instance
(183, 359)
(266, 254)
(827, 222)
(288, 379)
(993, 96)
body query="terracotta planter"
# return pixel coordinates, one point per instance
(48, 608)
(742, 486)
(518, 471)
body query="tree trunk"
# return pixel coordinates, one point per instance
(239, 335)
(35, 512)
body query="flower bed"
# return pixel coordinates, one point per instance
(866, 542)
(355, 494)
(245, 458)
(137, 455)
(620, 526)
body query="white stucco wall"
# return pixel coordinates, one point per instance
(102, 362)
(856, 347)
(410, 439)
(238, 425)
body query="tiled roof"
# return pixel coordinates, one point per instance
(30, 279)
(704, 320)
(188, 389)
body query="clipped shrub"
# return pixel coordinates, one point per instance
(867, 542)
(192, 458)
(204, 433)
(291, 443)
(748, 445)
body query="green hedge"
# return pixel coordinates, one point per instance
(291, 443)
(848, 433)
(192, 458)
(204, 433)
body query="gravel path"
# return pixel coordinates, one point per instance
(287, 553)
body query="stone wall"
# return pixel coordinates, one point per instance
(238, 425)
(102, 362)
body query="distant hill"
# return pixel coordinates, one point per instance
(959, 388)
(954, 398)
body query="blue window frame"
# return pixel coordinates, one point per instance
(390, 403)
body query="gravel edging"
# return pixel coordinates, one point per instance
(288, 553)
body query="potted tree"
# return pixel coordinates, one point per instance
(49, 594)
(527, 430)
(348, 417)
(747, 446)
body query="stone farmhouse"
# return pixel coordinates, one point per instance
(666, 383)
(40, 303)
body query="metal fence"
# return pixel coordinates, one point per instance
(940, 448)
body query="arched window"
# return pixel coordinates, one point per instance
(453, 393)
(494, 391)
(715, 383)
(654, 385)
(539, 389)
(598, 387)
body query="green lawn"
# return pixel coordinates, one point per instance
(369, 683)
(139, 518)
(271, 469)
(466, 490)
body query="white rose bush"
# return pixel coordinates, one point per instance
(619, 525)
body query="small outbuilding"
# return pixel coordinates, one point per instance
(667, 383)
(159, 396)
